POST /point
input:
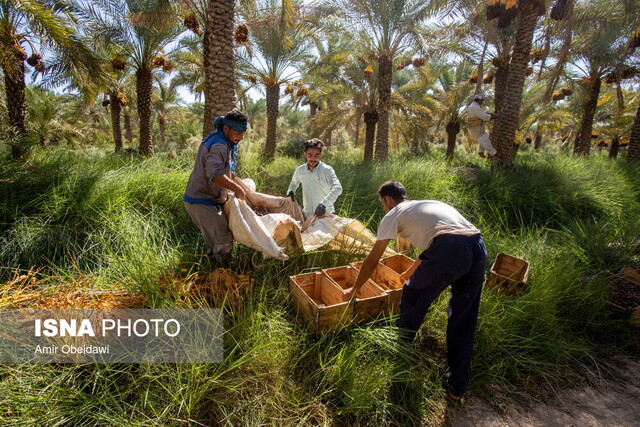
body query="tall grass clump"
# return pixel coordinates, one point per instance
(120, 220)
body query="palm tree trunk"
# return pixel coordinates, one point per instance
(116, 128)
(453, 128)
(370, 120)
(385, 74)
(509, 111)
(162, 126)
(583, 142)
(128, 132)
(328, 136)
(144, 88)
(218, 62)
(500, 85)
(633, 153)
(537, 142)
(357, 130)
(15, 89)
(273, 102)
(615, 147)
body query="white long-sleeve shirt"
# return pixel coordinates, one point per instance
(476, 118)
(320, 186)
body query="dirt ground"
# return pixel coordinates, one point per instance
(610, 404)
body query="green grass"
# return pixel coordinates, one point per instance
(121, 220)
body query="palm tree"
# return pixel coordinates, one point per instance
(513, 72)
(340, 93)
(140, 30)
(165, 97)
(255, 110)
(538, 118)
(413, 108)
(391, 28)
(218, 60)
(188, 63)
(634, 140)
(46, 116)
(279, 39)
(614, 115)
(452, 91)
(599, 47)
(24, 26)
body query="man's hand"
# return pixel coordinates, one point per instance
(240, 193)
(347, 294)
(292, 195)
(320, 210)
(404, 277)
(494, 116)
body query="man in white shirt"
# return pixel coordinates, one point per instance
(453, 254)
(320, 185)
(476, 119)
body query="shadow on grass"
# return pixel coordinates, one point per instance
(537, 194)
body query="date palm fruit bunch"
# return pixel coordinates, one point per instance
(191, 22)
(241, 34)
(158, 61)
(368, 72)
(118, 63)
(488, 78)
(123, 101)
(419, 62)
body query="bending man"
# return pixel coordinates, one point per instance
(453, 254)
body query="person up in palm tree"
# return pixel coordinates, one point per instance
(476, 120)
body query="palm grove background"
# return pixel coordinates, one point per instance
(382, 75)
(96, 146)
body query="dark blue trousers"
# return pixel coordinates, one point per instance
(459, 261)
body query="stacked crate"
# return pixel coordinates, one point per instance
(318, 296)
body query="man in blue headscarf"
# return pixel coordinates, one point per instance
(210, 182)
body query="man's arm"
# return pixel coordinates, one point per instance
(368, 266)
(214, 170)
(229, 184)
(475, 111)
(295, 182)
(335, 190)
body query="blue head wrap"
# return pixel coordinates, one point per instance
(233, 124)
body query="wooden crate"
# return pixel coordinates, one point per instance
(390, 281)
(629, 277)
(319, 301)
(509, 273)
(631, 273)
(398, 263)
(370, 301)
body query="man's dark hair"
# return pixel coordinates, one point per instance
(236, 116)
(393, 189)
(313, 143)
